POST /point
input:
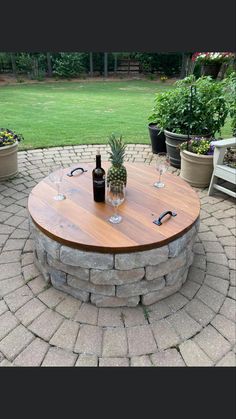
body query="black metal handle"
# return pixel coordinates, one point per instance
(158, 221)
(77, 168)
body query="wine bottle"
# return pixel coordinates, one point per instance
(98, 175)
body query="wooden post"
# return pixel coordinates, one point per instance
(91, 64)
(13, 63)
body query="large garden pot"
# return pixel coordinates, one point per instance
(8, 161)
(210, 70)
(196, 169)
(173, 142)
(157, 139)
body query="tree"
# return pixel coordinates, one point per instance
(105, 64)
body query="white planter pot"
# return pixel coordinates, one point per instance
(8, 161)
(196, 169)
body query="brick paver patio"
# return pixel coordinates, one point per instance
(42, 326)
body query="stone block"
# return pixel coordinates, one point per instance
(75, 292)
(43, 269)
(140, 259)
(167, 267)
(114, 342)
(193, 355)
(89, 340)
(75, 257)
(33, 355)
(89, 287)
(116, 277)
(210, 297)
(104, 301)
(57, 357)
(80, 273)
(15, 342)
(45, 243)
(141, 340)
(57, 277)
(165, 334)
(167, 358)
(140, 288)
(113, 362)
(153, 297)
(212, 343)
(175, 277)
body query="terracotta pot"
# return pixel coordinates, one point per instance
(8, 161)
(196, 169)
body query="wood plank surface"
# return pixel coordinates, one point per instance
(81, 223)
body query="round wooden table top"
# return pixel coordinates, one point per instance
(80, 222)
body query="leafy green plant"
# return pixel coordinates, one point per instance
(206, 114)
(229, 88)
(68, 65)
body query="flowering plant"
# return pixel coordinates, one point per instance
(212, 57)
(163, 78)
(9, 137)
(198, 145)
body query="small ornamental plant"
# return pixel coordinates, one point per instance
(9, 137)
(212, 57)
(198, 145)
(163, 78)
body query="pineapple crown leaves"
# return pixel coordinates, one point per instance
(118, 147)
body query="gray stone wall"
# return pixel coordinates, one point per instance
(115, 280)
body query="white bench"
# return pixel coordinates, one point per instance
(221, 171)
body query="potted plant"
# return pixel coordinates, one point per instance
(197, 161)
(8, 153)
(194, 108)
(157, 138)
(211, 62)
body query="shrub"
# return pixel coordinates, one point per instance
(68, 65)
(229, 88)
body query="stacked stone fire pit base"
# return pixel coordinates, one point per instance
(115, 280)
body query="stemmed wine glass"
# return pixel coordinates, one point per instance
(56, 177)
(162, 164)
(116, 196)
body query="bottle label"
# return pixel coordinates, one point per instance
(99, 183)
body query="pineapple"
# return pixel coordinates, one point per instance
(117, 172)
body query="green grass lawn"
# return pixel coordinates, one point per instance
(86, 112)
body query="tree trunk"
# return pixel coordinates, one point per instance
(105, 64)
(115, 64)
(13, 63)
(187, 66)
(183, 65)
(49, 64)
(91, 64)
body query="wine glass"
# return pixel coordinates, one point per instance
(56, 177)
(116, 196)
(162, 164)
